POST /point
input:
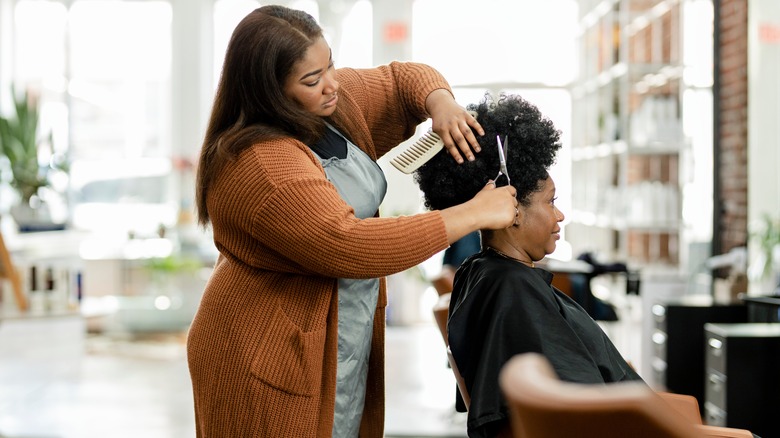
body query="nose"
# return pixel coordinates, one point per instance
(331, 84)
(559, 215)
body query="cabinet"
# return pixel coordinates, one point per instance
(743, 386)
(678, 339)
(762, 308)
(632, 153)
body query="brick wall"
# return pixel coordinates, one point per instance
(733, 124)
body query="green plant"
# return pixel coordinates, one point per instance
(19, 143)
(173, 264)
(768, 239)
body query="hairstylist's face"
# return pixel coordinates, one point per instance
(312, 83)
(539, 223)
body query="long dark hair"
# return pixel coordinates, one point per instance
(249, 104)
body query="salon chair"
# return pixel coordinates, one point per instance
(543, 406)
(440, 312)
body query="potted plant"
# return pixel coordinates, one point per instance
(766, 266)
(21, 145)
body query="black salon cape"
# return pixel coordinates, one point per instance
(500, 308)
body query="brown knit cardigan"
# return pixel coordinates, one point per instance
(262, 347)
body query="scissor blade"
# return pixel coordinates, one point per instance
(501, 156)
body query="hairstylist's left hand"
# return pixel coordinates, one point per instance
(454, 125)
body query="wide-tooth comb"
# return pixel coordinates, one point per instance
(420, 152)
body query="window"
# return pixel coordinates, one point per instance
(104, 86)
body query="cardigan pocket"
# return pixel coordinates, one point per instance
(288, 358)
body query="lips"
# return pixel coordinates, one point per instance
(331, 102)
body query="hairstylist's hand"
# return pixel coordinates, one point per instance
(495, 207)
(491, 208)
(453, 124)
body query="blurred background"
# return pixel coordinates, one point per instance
(668, 110)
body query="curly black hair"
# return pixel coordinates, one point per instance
(531, 142)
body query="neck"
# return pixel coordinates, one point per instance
(528, 263)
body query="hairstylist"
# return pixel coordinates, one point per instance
(289, 337)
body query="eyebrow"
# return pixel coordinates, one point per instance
(318, 71)
(307, 75)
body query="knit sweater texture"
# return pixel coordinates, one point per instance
(262, 349)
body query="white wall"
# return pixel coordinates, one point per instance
(763, 115)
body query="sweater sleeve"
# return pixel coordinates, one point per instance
(390, 99)
(278, 211)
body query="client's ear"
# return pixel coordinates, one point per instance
(520, 215)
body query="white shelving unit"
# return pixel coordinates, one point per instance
(630, 151)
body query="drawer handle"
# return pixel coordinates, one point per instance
(658, 310)
(659, 338)
(659, 365)
(716, 345)
(714, 415)
(716, 382)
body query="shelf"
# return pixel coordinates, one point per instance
(602, 150)
(607, 77)
(596, 14)
(643, 20)
(610, 221)
(618, 147)
(656, 148)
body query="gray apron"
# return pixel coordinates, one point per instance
(361, 183)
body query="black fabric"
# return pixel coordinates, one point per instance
(597, 308)
(500, 308)
(330, 145)
(462, 249)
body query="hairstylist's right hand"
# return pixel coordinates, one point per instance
(496, 207)
(492, 208)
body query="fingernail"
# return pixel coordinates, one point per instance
(478, 149)
(471, 158)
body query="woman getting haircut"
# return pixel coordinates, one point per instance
(502, 304)
(288, 340)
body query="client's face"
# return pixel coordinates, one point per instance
(539, 223)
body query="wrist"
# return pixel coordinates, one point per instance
(461, 219)
(436, 98)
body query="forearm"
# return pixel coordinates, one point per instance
(459, 221)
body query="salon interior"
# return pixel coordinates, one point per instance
(667, 176)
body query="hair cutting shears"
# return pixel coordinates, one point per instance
(502, 159)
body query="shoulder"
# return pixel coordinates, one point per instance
(490, 269)
(494, 281)
(265, 168)
(385, 70)
(280, 159)
(408, 73)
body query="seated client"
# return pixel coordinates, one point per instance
(501, 304)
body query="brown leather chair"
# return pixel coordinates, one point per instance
(542, 406)
(440, 312)
(444, 281)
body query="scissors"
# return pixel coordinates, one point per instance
(502, 159)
